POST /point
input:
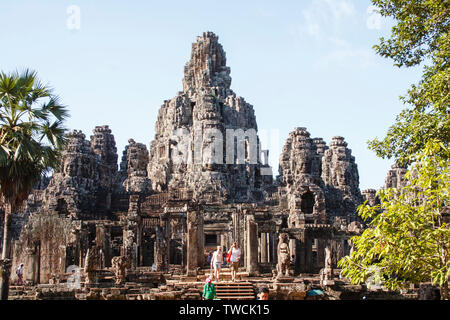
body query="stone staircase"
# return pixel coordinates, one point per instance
(235, 291)
(22, 293)
(225, 274)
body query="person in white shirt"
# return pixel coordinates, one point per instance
(216, 262)
(234, 259)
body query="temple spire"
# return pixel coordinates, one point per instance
(207, 66)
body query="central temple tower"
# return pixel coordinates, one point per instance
(206, 137)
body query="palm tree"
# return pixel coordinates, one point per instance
(31, 138)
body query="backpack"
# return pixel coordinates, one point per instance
(229, 257)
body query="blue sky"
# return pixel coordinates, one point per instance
(299, 63)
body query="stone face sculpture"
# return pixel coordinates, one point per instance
(284, 257)
(192, 134)
(341, 179)
(119, 265)
(395, 177)
(133, 168)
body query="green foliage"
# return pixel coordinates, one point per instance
(31, 134)
(408, 236)
(420, 35)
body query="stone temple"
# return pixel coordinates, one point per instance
(143, 229)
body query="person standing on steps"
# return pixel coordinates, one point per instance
(209, 290)
(234, 259)
(19, 273)
(216, 262)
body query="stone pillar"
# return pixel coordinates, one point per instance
(200, 241)
(300, 253)
(195, 246)
(271, 249)
(293, 248)
(161, 250)
(308, 255)
(263, 247)
(275, 246)
(223, 240)
(252, 246)
(320, 253)
(31, 270)
(130, 232)
(5, 272)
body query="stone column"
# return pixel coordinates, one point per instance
(5, 272)
(308, 255)
(161, 250)
(275, 246)
(293, 249)
(320, 253)
(200, 240)
(31, 270)
(263, 247)
(252, 246)
(194, 244)
(300, 254)
(132, 221)
(271, 248)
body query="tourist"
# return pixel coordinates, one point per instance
(208, 259)
(19, 273)
(313, 294)
(216, 262)
(209, 290)
(293, 261)
(225, 262)
(235, 253)
(263, 293)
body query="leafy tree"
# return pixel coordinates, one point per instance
(408, 236)
(31, 137)
(421, 35)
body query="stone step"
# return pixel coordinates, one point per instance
(23, 297)
(236, 298)
(132, 296)
(235, 284)
(234, 289)
(226, 293)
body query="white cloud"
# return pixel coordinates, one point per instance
(326, 24)
(321, 17)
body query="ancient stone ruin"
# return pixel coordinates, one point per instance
(142, 229)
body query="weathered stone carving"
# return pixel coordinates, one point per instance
(395, 177)
(134, 168)
(94, 262)
(326, 274)
(189, 150)
(284, 257)
(300, 178)
(119, 265)
(341, 179)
